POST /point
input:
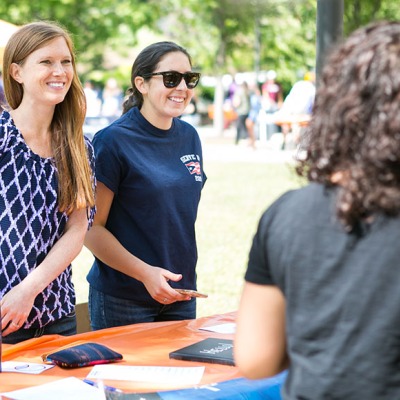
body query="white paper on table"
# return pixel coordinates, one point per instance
(229, 327)
(151, 374)
(63, 389)
(24, 367)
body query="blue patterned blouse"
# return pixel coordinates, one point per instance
(30, 223)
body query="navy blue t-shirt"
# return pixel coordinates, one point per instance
(156, 177)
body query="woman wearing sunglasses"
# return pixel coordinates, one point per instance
(150, 176)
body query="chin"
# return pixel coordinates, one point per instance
(177, 113)
(57, 99)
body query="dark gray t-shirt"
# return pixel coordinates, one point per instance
(342, 292)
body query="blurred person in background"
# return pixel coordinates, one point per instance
(241, 105)
(112, 99)
(272, 93)
(93, 102)
(271, 102)
(252, 121)
(296, 108)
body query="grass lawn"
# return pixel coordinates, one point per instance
(234, 196)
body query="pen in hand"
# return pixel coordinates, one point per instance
(108, 388)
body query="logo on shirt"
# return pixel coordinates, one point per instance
(194, 168)
(192, 163)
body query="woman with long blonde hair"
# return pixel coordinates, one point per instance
(46, 183)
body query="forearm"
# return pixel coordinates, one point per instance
(107, 248)
(64, 251)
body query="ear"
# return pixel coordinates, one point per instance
(141, 84)
(15, 72)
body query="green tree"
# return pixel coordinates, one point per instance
(360, 12)
(229, 36)
(223, 36)
(213, 31)
(93, 23)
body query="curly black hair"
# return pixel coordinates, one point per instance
(355, 125)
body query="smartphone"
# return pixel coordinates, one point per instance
(191, 293)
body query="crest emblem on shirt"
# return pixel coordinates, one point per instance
(192, 163)
(193, 167)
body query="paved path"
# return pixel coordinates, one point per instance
(216, 148)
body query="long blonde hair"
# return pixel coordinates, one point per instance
(75, 190)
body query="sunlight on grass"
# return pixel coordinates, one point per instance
(233, 199)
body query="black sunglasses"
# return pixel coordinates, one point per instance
(172, 79)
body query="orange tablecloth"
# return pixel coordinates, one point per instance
(141, 344)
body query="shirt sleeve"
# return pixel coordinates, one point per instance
(264, 267)
(3, 132)
(91, 211)
(108, 163)
(258, 268)
(204, 176)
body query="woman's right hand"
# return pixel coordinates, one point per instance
(15, 307)
(156, 283)
(106, 247)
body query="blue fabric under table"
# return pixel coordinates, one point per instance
(235, 389)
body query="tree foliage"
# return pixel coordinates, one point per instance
(223, 36)
(94, 24)
(360, 12)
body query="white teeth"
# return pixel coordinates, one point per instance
(177, 99)
(56, 84)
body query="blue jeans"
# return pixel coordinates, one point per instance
(65, 326)
(108, 311)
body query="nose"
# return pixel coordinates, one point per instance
(58, 69)
(182, 85)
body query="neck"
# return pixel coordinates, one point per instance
(35, 129)
(163, 123)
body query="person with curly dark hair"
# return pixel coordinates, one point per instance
(321, 294)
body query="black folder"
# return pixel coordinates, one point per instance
(211, 350)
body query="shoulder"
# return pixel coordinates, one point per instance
(309, 191)
(278, 206)
(185, 128)
(5, 119)
(89, 147)
(6, 127)
(293, 203)
(88, 143)
(111, 133)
